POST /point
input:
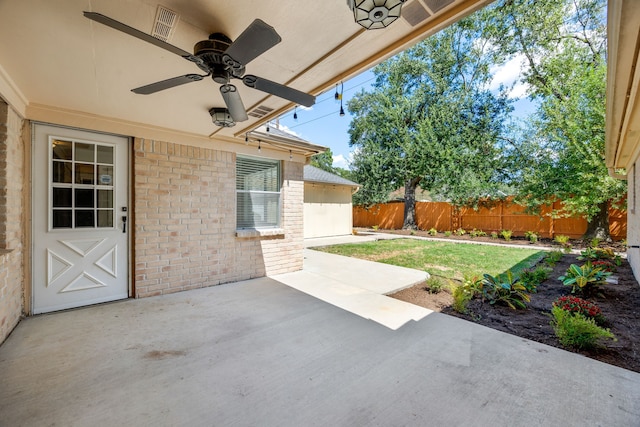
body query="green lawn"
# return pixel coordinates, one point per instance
(449, 260)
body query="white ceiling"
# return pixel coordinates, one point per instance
(54, 59)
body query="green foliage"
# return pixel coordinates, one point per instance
(432, 232)
(564, 43)
(506, 235)
(463, 293)
(552, 258)
(580, 306)
(431, 120)
(460, 232)
(561, 239)
(576, 331)
(584, 279)
(531, 236)
(505, 289)
(591, 254)
(531, 278)
(434, 285)
(477, 233)
(447, 233)
(323, 161)
(494, 234)
(595, 242)
(375, 227)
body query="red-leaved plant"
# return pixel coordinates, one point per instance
(580, 306)
(604, 265)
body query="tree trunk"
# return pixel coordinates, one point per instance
(410, 204)
(598, 227)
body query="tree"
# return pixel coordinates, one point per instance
(323, 161)
(563, 43)
(431, 120)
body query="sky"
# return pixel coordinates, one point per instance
(322, 124)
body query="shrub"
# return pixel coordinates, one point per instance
(563, 241)
(432, 231)
(574, 330)
(459, 232)
(584, 278)
(375, 227)
(553, 257)
(506, 234)
(494, 234)
(447, 233)
(434, 285)
(462, 294)
(505, 289)
(531, 236)
(530, 279)
(595, 242)
(582, 307)
(477, 233)
(605, 265)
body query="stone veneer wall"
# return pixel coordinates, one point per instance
(11, 220)
(185, 221)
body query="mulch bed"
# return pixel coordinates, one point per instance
(620, 304)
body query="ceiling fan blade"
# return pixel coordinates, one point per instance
(166, 84)
(255, 40)
(279, 90)
(234, 103)
(110, 22)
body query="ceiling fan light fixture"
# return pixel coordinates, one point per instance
(372, 14)
(221, 117)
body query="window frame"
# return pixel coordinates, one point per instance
(273, 226)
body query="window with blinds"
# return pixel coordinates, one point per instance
(257, 193)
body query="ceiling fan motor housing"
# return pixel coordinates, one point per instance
(211, 51)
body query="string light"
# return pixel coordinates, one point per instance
(259, 148)
(290, 155)
(341, 92)
(295, 113)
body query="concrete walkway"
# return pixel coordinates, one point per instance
(259, 353)
(358, 286)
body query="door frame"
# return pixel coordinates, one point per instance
(30, 150)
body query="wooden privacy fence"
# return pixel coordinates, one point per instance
(502, 216)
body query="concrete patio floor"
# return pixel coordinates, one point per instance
(261, 353)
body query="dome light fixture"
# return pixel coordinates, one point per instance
(221, 117)
(372, 14)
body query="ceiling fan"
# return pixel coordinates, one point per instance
(223, 60)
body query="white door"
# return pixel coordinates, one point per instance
(80, 234)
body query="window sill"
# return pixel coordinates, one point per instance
(254, 232)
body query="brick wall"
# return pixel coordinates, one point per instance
(185, 221)
(11, 220)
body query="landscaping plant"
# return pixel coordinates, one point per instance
(506, 234)
(575, 330)
(585, 278)
(580, 306)
(432, 231)
(434, 285)
(531, 278)
(459, 232)
(531, 236)
(505, 289)
(494, 234)
(552, 258)
(463, 293)
(563, 241)
(447, 233)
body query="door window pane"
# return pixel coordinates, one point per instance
(104, 154)
(85, 152)
(105, 218)
(62, 219)
(62, 149)
(62, 172)
(85, 218)
(105, 175)
(105, 198)
(84, 198)
(84, 173)
(62, 198)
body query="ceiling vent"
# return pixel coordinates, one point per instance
(414, 13)
(165, 23)
(436, 5)
(260, 111)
